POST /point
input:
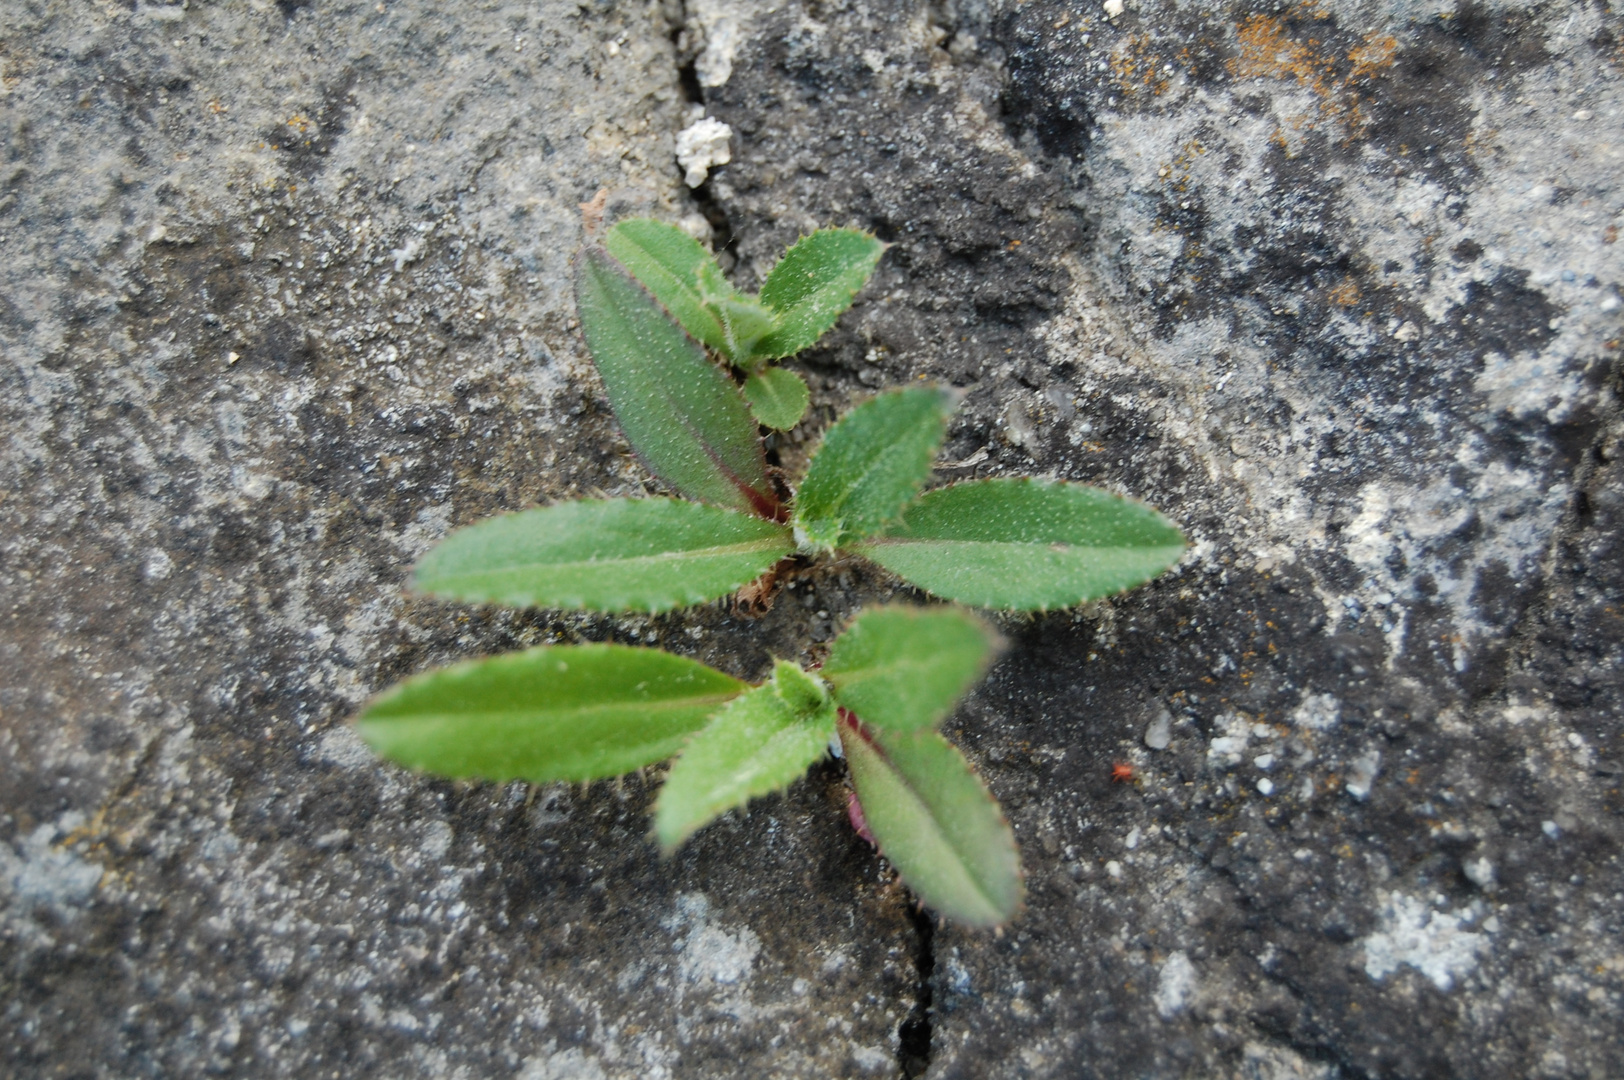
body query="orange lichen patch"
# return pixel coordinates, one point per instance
(1269, 51)
(1373, 57)
(1136, 66)
(1481, 140)
(299, 123)
(1346, 293)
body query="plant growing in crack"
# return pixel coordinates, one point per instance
(1010, 544)
(582, 712)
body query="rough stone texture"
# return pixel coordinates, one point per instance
(1336, 285)
(285, 296)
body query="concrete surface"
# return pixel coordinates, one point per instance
(1336, 285)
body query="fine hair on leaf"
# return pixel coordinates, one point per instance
(584, 712)
(681, 413)
(686, 361)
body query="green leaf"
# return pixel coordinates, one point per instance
(902, 668)
(681, 413)
(684, 277)
(745, 321)
(778, 397)
(871, 465)
(802, 691)
(934, 819)
(604, 555)
(759, 743)
(1026, 545)
(813, 284)
(567, 712)
(676, 269)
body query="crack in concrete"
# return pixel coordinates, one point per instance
(704, 196)
(914, 1033)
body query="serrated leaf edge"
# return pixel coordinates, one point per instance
(996, 644)
(846, 718)
(690, 598)
(804, 538)
(765, 505)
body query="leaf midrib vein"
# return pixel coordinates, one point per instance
(884, 453)
(573, 710)
(935, 821)
(744, 548)
(1058, 546)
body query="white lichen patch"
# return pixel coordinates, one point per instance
(1227, 748)
(571, 1063)
(872, 1059)
(1437, 943)
(1362, 772)
(1317, 712)
(40, 873)
(707, 953)
(1533, 242)
(341, 746)
(1176, 985)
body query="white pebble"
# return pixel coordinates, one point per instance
(702, 145)
(1479, 872)
(1159, 732)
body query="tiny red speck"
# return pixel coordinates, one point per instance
(1121, 772)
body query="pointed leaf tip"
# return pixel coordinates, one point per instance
(676, 269)
(902, 668)
(935, 821)
(561, 712)
(813, 284)
(1026, 545)
(871, 464)
(760, 743)
(604, 555)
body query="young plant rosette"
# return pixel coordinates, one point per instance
(1012, 544)
(582, 712)
(1009, 544)
(801, 298)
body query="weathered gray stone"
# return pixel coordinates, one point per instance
(1335, 285)
(285, 296)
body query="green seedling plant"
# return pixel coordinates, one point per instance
(1009, 544)
(583, 712)
(801, 298)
